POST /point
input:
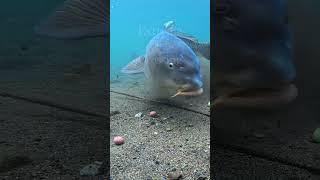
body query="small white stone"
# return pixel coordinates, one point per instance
(138, 114)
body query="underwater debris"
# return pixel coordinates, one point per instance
(118, 140)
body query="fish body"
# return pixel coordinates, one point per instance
(169, 63)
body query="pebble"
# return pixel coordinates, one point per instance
(174, 176)
(118, 140)
(316, 136)
(153, 114)
(168, 129)
(155, 133)
(138, 114)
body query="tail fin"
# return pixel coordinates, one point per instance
(77, 19)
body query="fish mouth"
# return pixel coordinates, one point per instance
(258, 98)
(187, 91)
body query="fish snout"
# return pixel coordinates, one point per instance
(197, 83)
(194, 83)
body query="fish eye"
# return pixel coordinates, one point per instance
(170, 65)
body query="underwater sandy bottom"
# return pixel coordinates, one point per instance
(176, 142)
(51, 142)
(68, 73)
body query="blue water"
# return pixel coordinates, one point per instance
(134, 23)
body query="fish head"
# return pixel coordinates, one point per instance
(179, 70)
(171, 64)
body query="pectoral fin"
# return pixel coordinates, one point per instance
(135, 66)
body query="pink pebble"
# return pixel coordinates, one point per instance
(153, 114)
(118, 140)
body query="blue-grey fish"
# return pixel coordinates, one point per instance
(169, 62)
(254, 54)
(77, 19)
